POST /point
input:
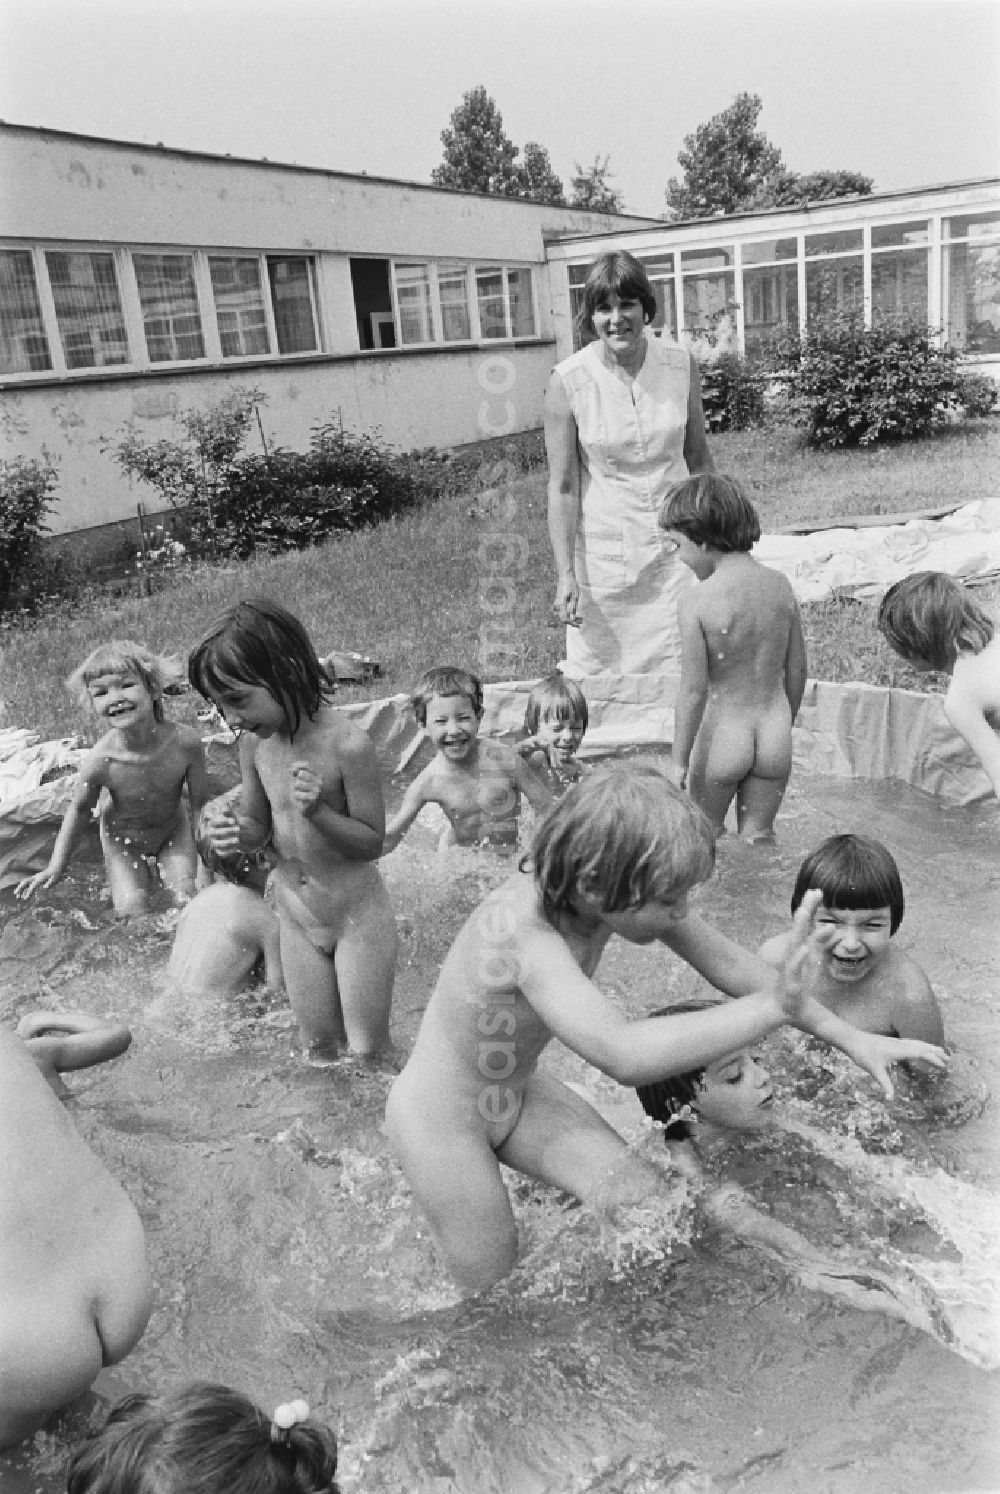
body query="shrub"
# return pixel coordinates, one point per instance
(852, 385)
(977, 394)
(731, 394)
(27, 486)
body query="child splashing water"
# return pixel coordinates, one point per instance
(555, 719)
(933, 623)
(618, 854)
(135, 776)
(205, 1439)
(310, 782)
(743, 661)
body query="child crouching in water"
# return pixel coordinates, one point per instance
(555, 719)
(743, 660)
(617, 855)
(135, 776)
(858, 973)
(477, 781)
(205, 1439)
(310, 784)
(933, 622)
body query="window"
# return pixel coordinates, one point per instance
(413, 299)
(489, 293)
(24, 347)
(770, 292)
(971, 271)
(835, 279)
(168, 296)
(88, 308)
(900, 265)
(239, 306)
(709, 288)
(504, 298)
(294, 303)
(522, 310)
(453, 294)
(660, 269)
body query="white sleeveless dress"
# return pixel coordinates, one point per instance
(631, 448)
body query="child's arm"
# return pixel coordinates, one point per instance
(692, 693)
(795, 663)
(199, 791)
(360, 833)
(970, 695)
(64, 1041)
(531, 786)
(417, 795)
(75, 821)
(228, 830)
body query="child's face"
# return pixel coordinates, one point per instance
(656, 919)
(452, 725)
(735, 1092)
(251, 708)
(121, 699)
(695, 557)
(560, 739)
(858, 939)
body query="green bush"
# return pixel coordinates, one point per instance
(27, 486)
(978, 394)
(731, 394)
(852, 385)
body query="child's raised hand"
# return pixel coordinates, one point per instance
(307, 787)
(805, 942)
(876, 1053)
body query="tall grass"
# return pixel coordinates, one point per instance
(408, 592)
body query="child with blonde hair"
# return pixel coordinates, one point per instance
(204, 1438)
(135, 777)
(933, 622)
(618, 854)
(743, 660)
(555, 719)
(477, 781)
(310, 785)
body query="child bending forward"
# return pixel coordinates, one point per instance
(933, 622)
(311, 784)
(617, 855)
(135, 777)
(477, 782)
(743, 661)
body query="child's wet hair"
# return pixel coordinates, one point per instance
(623, 835)
(852, 872)
(665, 1100)
(446, 680)
(555, 698)
(158, 672)
(930, 618)
(202, 1439)
(257, 643)
(712, 510)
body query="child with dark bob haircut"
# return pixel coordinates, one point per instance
(935, 623)
(310, 784)
(205, 1439)
(618, 854)
(743, 660)
(555, 719)
(858, 973)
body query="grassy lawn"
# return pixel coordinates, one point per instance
(417, 591)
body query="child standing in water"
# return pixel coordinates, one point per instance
(310, 783)
(617, 855)
(933, 623)
(478, 783)
(743, 660)
(135, 776)
(859, 973)
(205, 1439)
(555, 720)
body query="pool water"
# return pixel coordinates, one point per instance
(655, 1357)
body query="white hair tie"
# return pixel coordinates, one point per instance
(285, 1417)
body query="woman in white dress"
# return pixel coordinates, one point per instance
(623, 423)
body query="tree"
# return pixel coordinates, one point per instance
(790, 188)
(536, 180)
(591, 190)
(724, 163)
(478, 156)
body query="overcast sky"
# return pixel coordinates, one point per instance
(906, 91)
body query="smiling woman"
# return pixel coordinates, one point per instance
(623, 423)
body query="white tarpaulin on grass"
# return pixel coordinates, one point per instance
(36, 783)
(865, 560)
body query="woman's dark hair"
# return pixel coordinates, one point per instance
(852, 872)
(256, 642)
(712, 510)
(616, 274)
(202, 1439)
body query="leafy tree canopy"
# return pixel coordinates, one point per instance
(535, 178)
(478, 156)
(789, 188)
(591, 189)
(724, 163)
